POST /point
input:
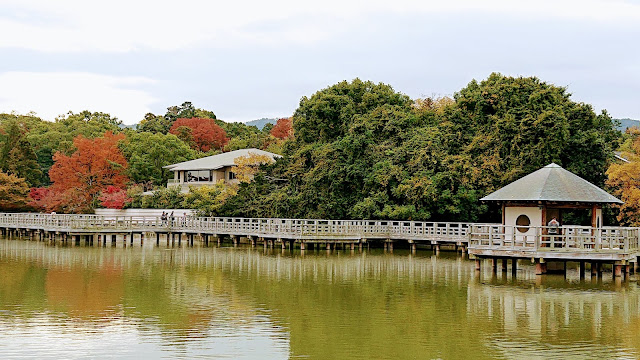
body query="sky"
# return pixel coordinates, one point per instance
(250, 59)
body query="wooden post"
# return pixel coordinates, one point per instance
(583, 266)
(541, 267)
(594, 269)
(283, 243)
(390, 246)
(617, 270)
(514, 266)
(494, 264)
(302, 245)
(413, 248)
(504, 265)
(438, 250)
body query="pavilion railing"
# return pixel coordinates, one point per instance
(544, 238)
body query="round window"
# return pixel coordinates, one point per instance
(521, 221)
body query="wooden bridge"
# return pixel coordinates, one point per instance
(619, 246)
(287, 232)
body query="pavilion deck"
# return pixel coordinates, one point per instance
(617, 245)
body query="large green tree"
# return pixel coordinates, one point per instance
(147, 153)
(362, 150)
(17, 156)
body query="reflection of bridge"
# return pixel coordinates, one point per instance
(287, 232)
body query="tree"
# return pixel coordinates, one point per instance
(17, 156)
(78, 179)
(209, 200)
(13, 192)
(247, 166)
(187, 110)
(206, 133)
(623, 179)
(148, 153)
(362, 150)
(114, 198)
(283, 128)
(154, 124)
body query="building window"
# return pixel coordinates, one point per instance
(197, 176)
(521, 222)
(232, 175)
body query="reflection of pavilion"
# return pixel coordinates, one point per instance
(536, 322)
(530, 203)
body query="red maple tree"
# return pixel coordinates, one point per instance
(205, 133)
(283, 128)
(114, 198)
(78, 179)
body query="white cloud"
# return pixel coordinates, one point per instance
(58, 93)
(126, 25)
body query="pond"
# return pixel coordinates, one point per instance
(78, 302)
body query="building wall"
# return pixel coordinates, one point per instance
(534, 213)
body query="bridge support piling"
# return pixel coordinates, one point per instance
(541, 267)
(494, 265)
(617, 270)
(113, 240)
(514, 266)
(583, 266)
(504, 265)
(478, 264)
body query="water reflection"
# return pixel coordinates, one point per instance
(250, 303)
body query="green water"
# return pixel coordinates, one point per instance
(157, 302)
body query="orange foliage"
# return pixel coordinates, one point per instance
(205, 133)
(624, 179)
(283, 128)
(79, 178)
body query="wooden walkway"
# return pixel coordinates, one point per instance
(288, 232)
(619, 246)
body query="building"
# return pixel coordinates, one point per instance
(211, 169)
(542, 195)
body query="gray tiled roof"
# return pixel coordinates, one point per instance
(218, 161)
(552, 183)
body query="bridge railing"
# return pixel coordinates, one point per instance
(544, 238)
(243, 226)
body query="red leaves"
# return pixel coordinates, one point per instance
(283, 128)
(114, 198)
(205, 133)
(78, 179)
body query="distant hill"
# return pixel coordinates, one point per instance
(627, 123)
(260, 123)
(133, 126)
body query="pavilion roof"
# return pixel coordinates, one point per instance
(552, 183)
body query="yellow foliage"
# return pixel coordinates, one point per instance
(247, 166)
(624, 179)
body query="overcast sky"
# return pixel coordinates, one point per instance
(250, 59)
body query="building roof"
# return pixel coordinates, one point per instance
(552, 183)
(218, 161)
